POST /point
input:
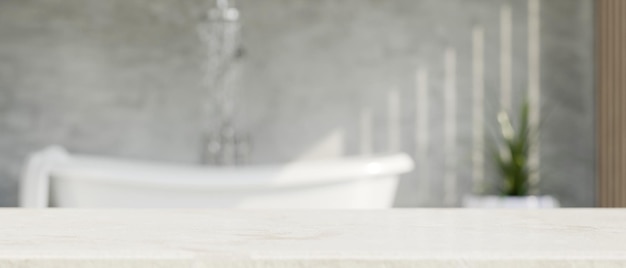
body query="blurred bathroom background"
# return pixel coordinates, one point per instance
(316, 79)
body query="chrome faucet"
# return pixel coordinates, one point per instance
(223, 144)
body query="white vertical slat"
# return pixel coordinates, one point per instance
(450, 96)
(478, 110)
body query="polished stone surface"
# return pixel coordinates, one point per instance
(383, 238)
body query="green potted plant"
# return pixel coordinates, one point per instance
(510, 155)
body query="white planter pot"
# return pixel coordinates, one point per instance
(514, 202)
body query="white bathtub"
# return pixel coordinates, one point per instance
(54, 178)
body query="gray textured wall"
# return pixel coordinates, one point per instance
(123, 78)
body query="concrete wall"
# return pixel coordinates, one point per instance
(123, 78)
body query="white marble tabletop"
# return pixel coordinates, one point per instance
(385, 238)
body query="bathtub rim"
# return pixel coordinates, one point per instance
(297, 174)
